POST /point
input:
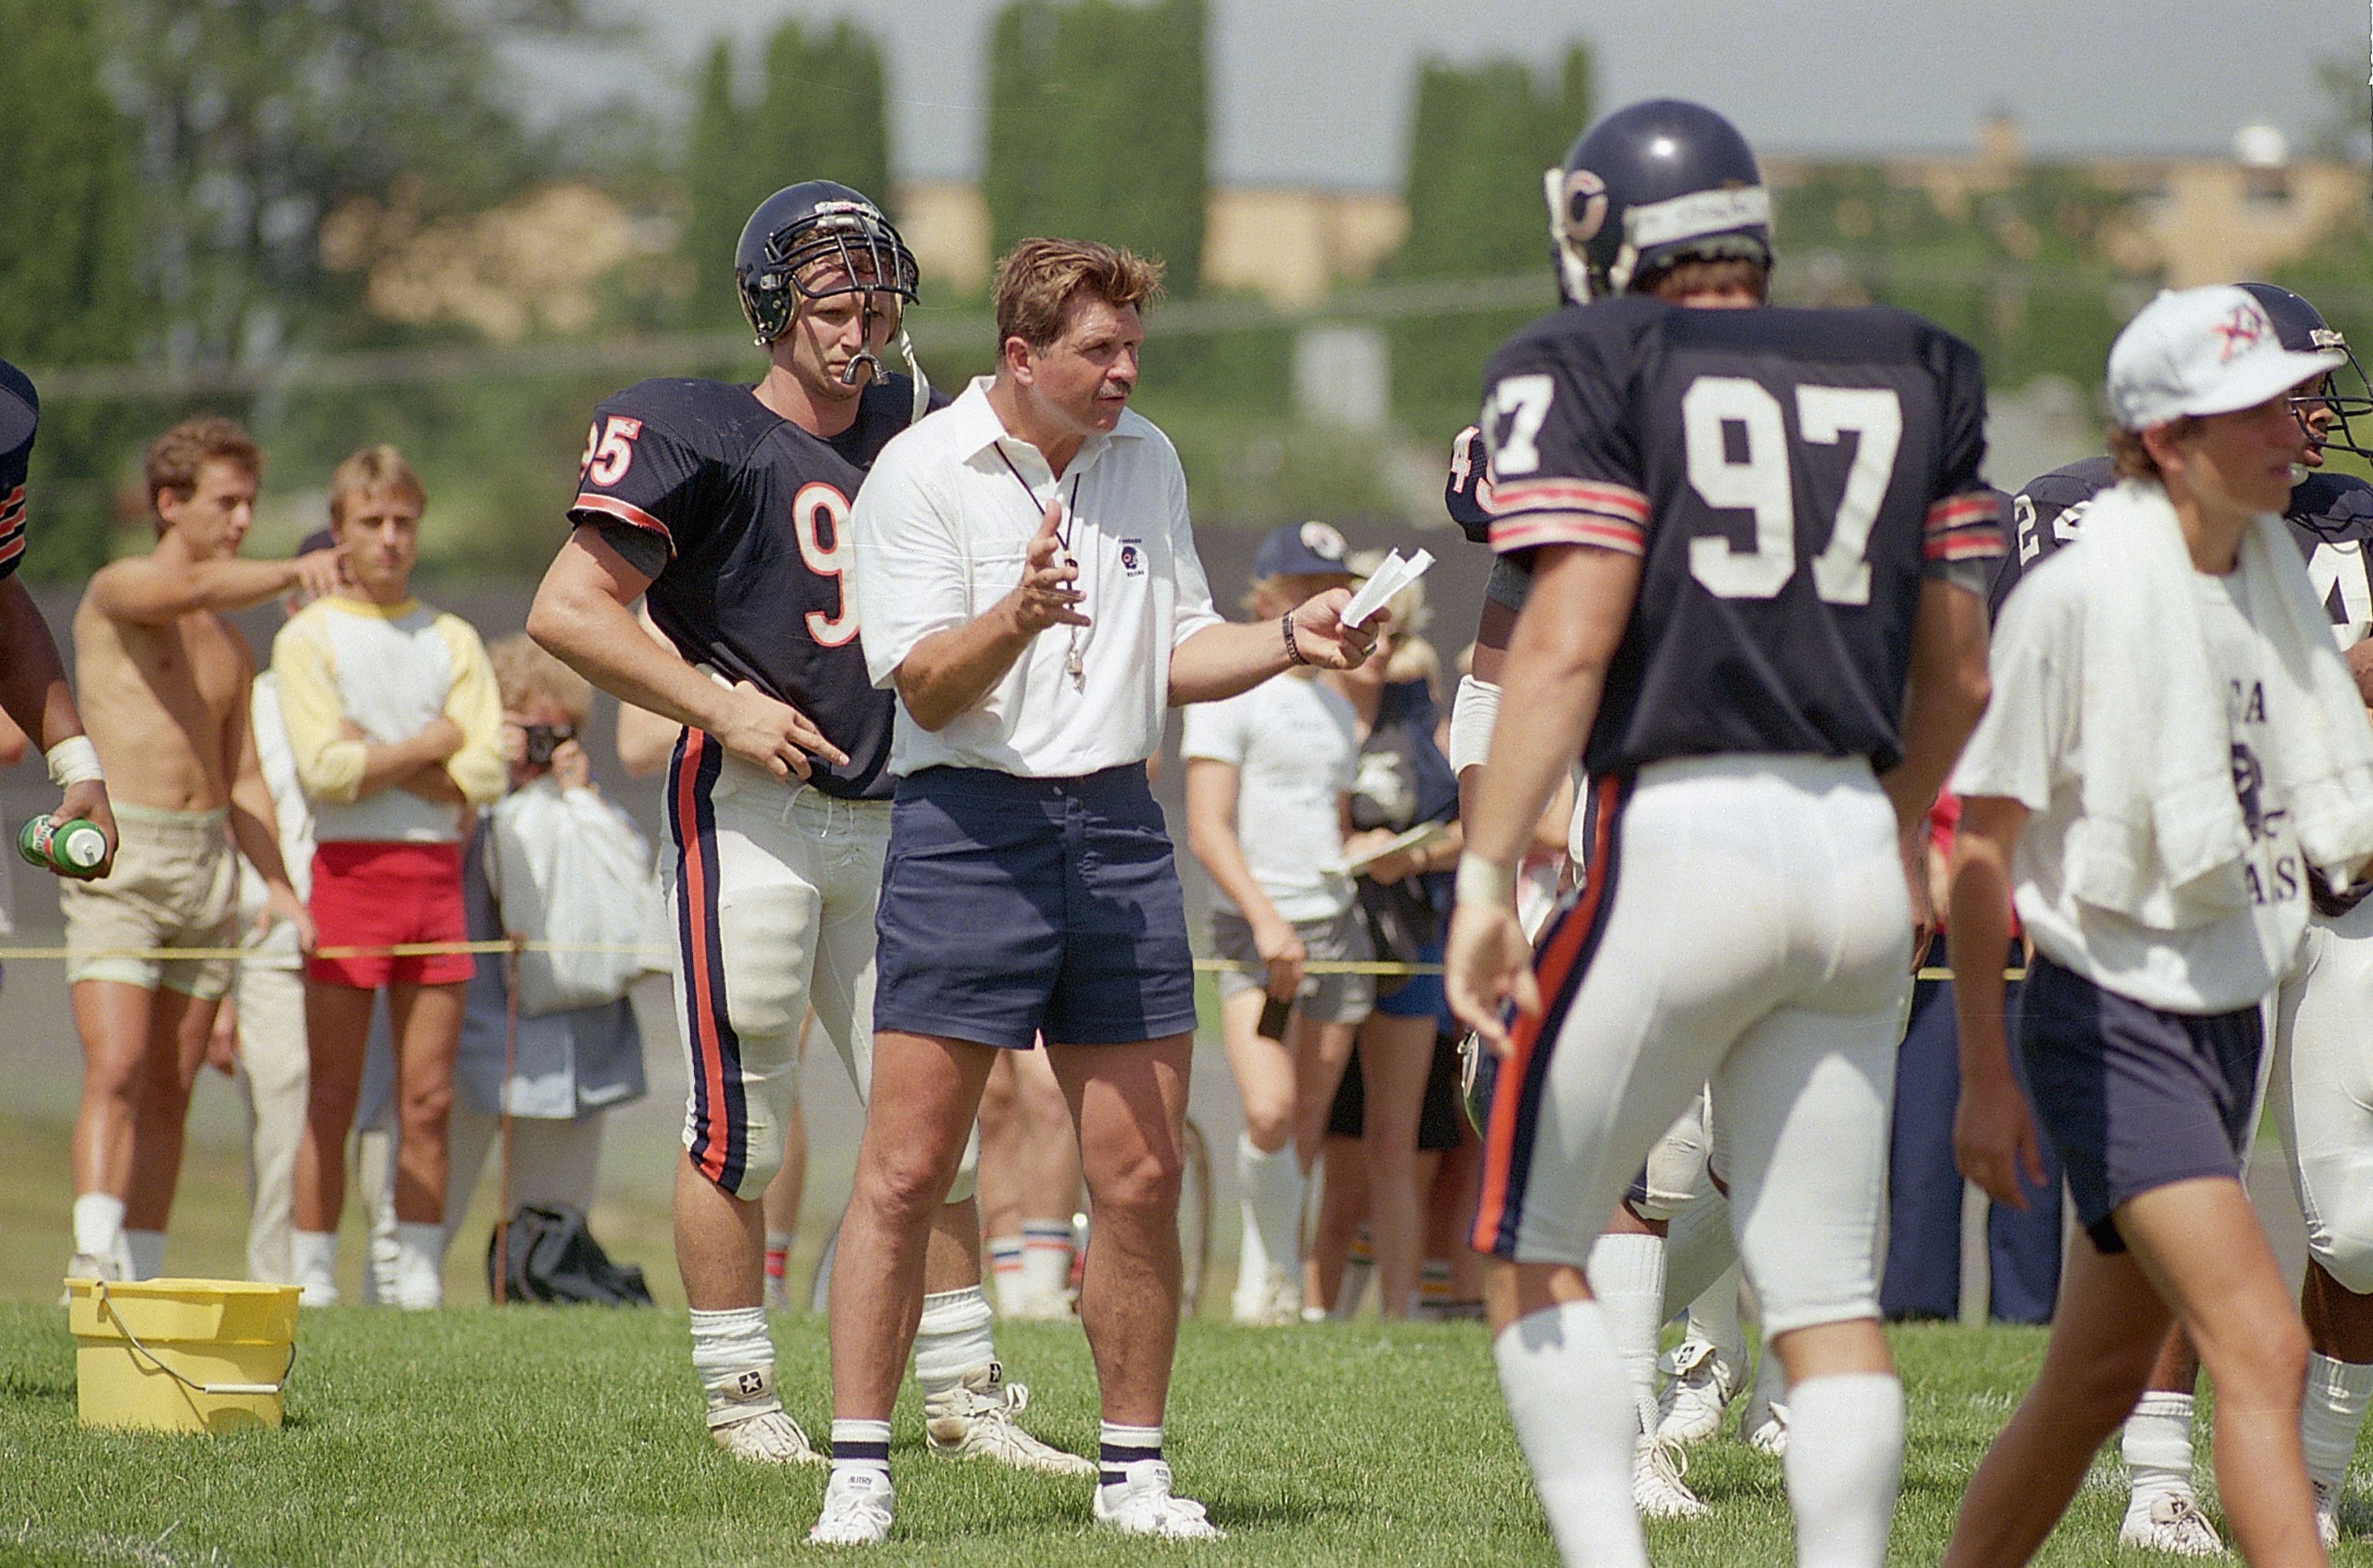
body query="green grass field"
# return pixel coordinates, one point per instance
(536, 1435)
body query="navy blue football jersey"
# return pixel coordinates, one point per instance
(1789, 479)
(20, 412)
(754, 512)
(2331, 517)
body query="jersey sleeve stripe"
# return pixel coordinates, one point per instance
(623, 511)
(1571, 494)
(1533, 529)
(1956, 512)
(1965, 544)
(12, 547)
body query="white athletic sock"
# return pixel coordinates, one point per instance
(2337, 1392)
(419, 1265)
(146, 1251)
(1843, 1465)
(1273, 1193)
(1005, 1269)
(735, 1363)
(313, 1263)
(1713, 1318)
(1046, 1258)
(951, 1338)
(1626, 1275)
(779, 1254)
(2156, 1444)
(1569, 1397)
(1118, 1447)
(1251, 1296)
(861, 1445)
(98, 1224)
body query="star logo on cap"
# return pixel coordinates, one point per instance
(2240, 331)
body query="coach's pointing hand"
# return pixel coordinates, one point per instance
(1044, 597)
(775, 735)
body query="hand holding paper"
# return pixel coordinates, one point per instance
(1387, 580)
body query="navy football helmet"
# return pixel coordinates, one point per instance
(801, 225)
(2302, 330)
(1650, 185)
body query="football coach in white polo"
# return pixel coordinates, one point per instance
(1027, 580)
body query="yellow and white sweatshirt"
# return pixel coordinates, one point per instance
(389, 669)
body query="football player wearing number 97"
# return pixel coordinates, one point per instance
(1753, 533)
(727, 505)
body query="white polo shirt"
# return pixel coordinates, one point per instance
(942, 529)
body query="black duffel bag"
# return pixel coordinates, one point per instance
(552, 1257)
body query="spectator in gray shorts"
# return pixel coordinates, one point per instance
(1268, 777)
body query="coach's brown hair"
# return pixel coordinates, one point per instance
(175, 457)
(370, 470)
(1039, 280)
(2130, 459)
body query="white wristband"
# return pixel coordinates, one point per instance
(1473, 714)
(1485, 881)
(73, 761)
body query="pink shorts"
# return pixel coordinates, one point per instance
(367, 895)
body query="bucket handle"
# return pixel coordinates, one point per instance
(268, 1389)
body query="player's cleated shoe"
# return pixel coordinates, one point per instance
(1763, 1425)
(2327, 1514)
(1705, 1381)
(856, 1509)
(2170, 1521)
(1142, 1505)
(975, 1418)
(1657, 1490)
(748, 1422)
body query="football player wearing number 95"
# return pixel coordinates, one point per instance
(1754, 532)
(728, 506)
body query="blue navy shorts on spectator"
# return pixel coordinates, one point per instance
(1015, 906)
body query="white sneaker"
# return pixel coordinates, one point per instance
(2170, 1521)
(1763, 1425)
(975, 1417)
(856, 1509)
(2327, 1514)
(1657, 1490)
(91, 1265)
(1705, 1381)
(1141, 1505)
(769, 1437)
(1274, 1302)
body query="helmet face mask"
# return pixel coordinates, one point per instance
(813, 231)
(1650, 185)
(2301, 329)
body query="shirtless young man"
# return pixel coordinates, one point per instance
(164, 684)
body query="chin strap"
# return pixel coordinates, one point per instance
(915, 373)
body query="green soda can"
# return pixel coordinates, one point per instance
(72, 847)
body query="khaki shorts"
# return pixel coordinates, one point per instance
(175, 885)
(1324, 998)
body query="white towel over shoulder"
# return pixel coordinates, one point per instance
(2162, 839)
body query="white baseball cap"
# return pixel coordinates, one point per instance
(2199, 351)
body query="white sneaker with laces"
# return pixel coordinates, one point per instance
(2327, 1514)
(1142, 1505)
(1657, 1490)
(1763, 1425)
(769, 1437)
(975, 1417)
(1704, 1382)
(856, 1509)
(2170, 1521)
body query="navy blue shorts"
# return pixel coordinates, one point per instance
(2131, 1097)
(1420, 996)
(1012, 907)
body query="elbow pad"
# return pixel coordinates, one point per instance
(1473, 712)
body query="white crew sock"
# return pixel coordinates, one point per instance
(861, 1445)
(1843, 1465)
(314, 1264)
(145, 1249)
(1118, 1447)
(778, 1256)
(1713, 1318)
(735, 1362)
(1047, 1258)
(1005, 1270)
(1568, 1395)
(2156, 1444)
(1251, 1297)
(1273, 1192)
(2337, 1392)
(98, 1224)
(1626, 1275)
(951, 1338)
(419, 1265)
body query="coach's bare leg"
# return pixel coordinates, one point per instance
(337, 1030)
(1129, 1103)
(2197, 1256)
(426, 1023)
(177, 1026)
(927, 1091)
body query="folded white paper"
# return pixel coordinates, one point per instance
(1389, 577)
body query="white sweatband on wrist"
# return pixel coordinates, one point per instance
(1485, 881)
(73, 761)
(1473, 712)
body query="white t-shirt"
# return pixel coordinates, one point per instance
(941, 528)
(1294, 744)
(2029, 748)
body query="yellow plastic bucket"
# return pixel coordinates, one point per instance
(181, 1355)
